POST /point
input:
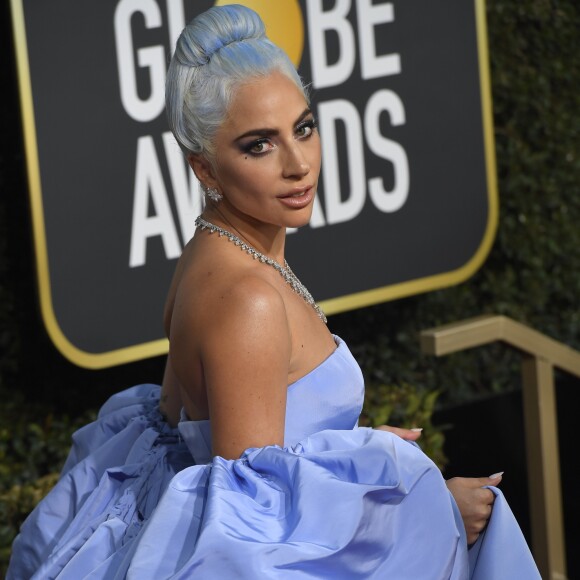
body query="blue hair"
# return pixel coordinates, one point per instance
(218, 51)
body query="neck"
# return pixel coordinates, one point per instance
(266, 238)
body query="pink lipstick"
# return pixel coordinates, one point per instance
(297, 199)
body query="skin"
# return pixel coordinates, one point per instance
(244, 313)
(474, 502)
(247, 336)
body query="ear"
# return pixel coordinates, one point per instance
(203, 169)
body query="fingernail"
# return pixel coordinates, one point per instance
(417, 429)
(496, 475)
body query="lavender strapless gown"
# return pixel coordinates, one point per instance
(141, 500)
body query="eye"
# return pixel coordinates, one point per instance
(305, 129)
(258, 147)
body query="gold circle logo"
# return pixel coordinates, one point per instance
(283, 21)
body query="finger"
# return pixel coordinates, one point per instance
(488, 498)
(494, 480)
(482, 496)
(407, 434)
(476, 527)
(482, 513)
(475, 483)
(472, 538)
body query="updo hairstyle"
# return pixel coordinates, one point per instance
(218, 51)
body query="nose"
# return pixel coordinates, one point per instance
(296, 163)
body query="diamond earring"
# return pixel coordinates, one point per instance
(213, 194)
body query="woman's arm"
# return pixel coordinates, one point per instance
(244, 347)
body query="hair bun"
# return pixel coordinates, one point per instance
(217, 52)
(215, 28)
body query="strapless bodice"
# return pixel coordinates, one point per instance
(328, 397)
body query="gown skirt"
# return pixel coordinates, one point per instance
(141, 500)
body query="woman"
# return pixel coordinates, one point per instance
(281, 481)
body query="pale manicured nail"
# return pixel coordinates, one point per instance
(417, 429)
(496, 475)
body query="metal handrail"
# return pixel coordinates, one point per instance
(540, 355)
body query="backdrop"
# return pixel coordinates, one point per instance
(407, 200)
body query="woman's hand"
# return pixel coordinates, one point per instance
(474, 502)
(407, 434)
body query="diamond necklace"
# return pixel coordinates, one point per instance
(284, 271)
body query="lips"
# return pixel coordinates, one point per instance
(298, 198)
(297, 192)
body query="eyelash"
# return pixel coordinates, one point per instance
(309, 124)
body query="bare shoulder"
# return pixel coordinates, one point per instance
(247, 296)
(226, 305)
(248, 313)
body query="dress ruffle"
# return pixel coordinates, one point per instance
(117, 470)
(136, 407)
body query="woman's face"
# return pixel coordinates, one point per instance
(267, 154)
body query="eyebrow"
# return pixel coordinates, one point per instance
(265, 132)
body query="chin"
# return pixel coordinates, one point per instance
(299, 219)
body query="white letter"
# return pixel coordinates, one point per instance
(185, 191)
(142, 110)
(330, 112)
(317, 218)
(387, 201)
(148, 179)
(319, 21)
(373, 66)
(176, 22)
